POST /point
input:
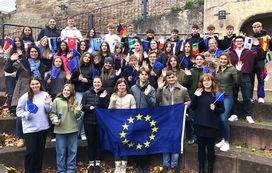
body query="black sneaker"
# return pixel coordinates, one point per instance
(97, 169)
(164, 170)
(91, 169)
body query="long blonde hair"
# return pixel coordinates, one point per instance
(46, 49)
(72, 98)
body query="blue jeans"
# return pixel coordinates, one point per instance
(246, 93)
(225, 129)
(81, 130)
(120, 158)
(10, 83)
(70, 141)
(174, 159)
(192, 120)
(19, 128)
(258, 70)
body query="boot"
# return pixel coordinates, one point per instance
(118, 165)
(124, 166)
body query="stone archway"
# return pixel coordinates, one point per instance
(265, 19)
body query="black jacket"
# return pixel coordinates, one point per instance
(91, 98)
(226, 42)
(197, 39)
(47, 31)
(79, 85)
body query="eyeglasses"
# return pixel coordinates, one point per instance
(239, 41)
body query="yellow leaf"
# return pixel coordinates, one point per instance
(238, 147)
(253, 149)
(161, 168)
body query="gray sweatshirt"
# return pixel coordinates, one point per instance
(34, 122)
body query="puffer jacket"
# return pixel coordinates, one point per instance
(92, 98)
(225, 78)
(123, 101)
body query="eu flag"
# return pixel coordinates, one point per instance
(31, 107)
(142, 131)
(158, 64)
(55, 72)
(73, 64)
(145, 45)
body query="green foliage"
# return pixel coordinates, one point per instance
(176, 8)
(149, 16)
(188, 4)
(138, 19)
(200, 2)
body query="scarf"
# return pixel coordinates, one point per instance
(34, 67)
(118, 57)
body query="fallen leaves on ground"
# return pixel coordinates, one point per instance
(4, 114)
(105, 168)
(8, 140)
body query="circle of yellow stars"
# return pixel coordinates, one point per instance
(139, 117)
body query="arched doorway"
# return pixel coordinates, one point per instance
(265, 19)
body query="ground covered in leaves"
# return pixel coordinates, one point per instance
(105, 168)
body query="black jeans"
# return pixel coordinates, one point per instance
(35, 144)
(258, 70)
(93, 139)
(204, 142)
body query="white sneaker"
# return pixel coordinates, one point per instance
(220, 144)
(53, 140)
(260, 100)
(250, 120)
(225, 147)
(233, 118)
(83, 138)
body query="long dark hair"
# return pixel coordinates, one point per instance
(37, 49)
(66, 51)
(86, 47)
(14, 47)
(169, 64)
(100, 53)
(183, 50)
(30, 37)
(30, 92)
(81, 62)
(62, 70)
(88, 33)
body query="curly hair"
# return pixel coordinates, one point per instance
(211, 77)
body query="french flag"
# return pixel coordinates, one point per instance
(264, 75)
(181, 45)
(8, 43)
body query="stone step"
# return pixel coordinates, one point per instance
(256, 135)
(253, 135)
(229, 162)
(260, 111)
(225, 162)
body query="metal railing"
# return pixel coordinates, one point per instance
(126, 11)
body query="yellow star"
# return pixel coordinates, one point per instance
(130, 120)
(130, 145)
(154, 129)
(125, 126)
(147, 118)
(152, 123)
(123, 134)
(139, 117)
(139, 146)
(125, 141)
(147, 144)
(152, 137)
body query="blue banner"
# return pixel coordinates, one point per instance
(142, 131)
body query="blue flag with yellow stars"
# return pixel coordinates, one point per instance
(142, 131)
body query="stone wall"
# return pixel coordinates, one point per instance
(182, 21)
(36, 12)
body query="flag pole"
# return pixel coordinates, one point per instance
(218, 98)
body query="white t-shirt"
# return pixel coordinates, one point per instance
(112, 39)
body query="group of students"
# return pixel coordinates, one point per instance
(121, 75)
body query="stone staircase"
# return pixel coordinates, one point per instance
(250, 136)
